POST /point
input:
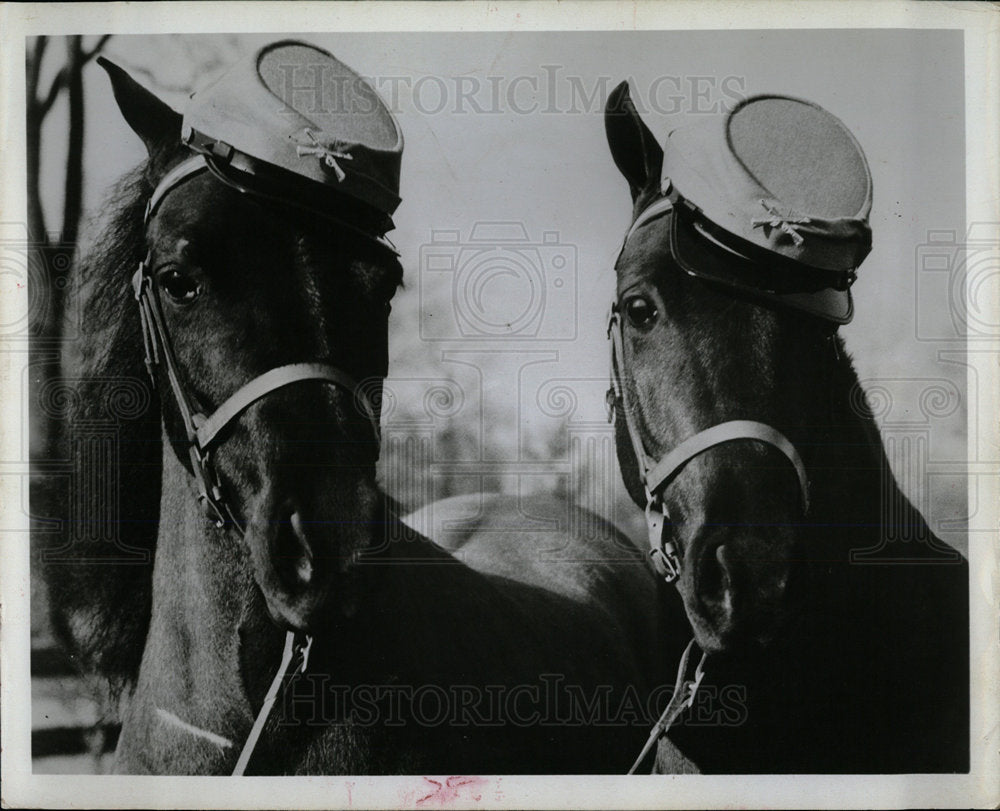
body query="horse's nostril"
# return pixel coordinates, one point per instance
(721, 556)
(733, 572)
(294, 553)
(304, 568)
(713, 575)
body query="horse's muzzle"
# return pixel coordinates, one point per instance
(734, 586)
(302, 557)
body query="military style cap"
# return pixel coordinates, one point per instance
(293, 122)
(772, 198)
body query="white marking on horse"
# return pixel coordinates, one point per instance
(170, 718)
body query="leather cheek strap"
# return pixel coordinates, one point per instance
(621, 396)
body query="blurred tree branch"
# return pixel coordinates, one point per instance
(61, 79)
(72, 202)
(50, 257)
(34, 116)
(69, 78)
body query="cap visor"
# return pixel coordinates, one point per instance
(278, 185)
(701, 256)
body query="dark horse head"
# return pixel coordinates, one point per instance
(274, 290)
(722, 349)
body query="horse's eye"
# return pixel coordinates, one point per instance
(179, 286)
(641, 312)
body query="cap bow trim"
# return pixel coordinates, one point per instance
(786, 223)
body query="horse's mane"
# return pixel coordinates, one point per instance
(100, 588)
(851, 403)
(857, 427)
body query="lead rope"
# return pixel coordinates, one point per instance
(683, 697)
(294, 660)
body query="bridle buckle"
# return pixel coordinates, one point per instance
(662, 553)
(210, 507)
(210, 492)
(666, 563)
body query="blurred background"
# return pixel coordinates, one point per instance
(512, 215)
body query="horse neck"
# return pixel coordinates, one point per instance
(850, 474)
(190, 693)
(212, 651)
(860, 519)
(410, 588)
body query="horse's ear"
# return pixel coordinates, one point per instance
(151, 119)
(633, 146)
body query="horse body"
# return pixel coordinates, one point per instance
(843, 628)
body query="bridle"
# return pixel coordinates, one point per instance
(657, 474)
(205, 433)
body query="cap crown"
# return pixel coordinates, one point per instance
(296, 107)
(780, 174)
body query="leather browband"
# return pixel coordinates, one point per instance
(171, 180)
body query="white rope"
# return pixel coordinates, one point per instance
(198, 732)
(270, 698)
(683, 697)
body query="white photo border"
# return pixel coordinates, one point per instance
(979, 22)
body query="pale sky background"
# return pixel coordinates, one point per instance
(549, 170)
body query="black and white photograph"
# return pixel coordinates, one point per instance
(499, 405)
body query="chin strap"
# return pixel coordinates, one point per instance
(683, 697)
(294, 661)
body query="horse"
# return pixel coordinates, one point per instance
(272, 593)
(812, 585)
